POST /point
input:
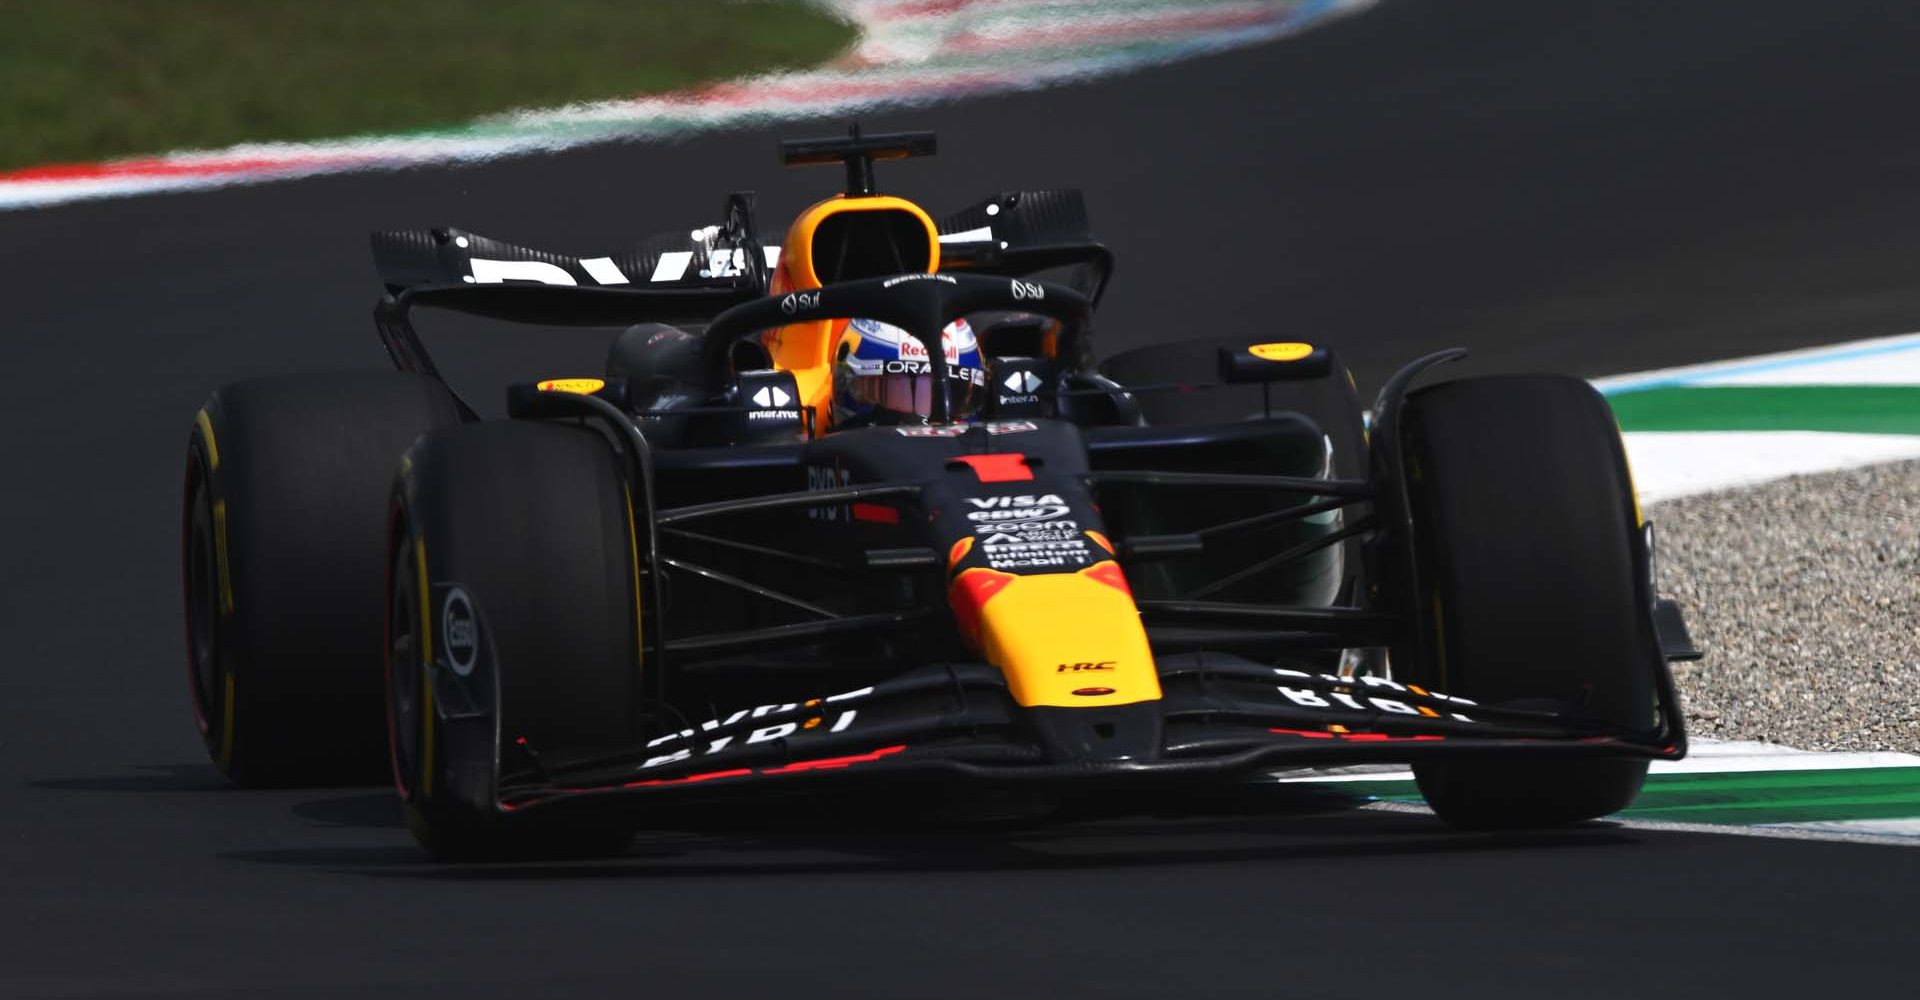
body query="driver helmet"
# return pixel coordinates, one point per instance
(882, 374)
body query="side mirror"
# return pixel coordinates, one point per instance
(1274, 362)
(540, 400)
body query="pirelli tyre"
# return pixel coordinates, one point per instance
(513, 631)
(282, 539)
(1526, 539)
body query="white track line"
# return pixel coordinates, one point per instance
(1896, 359)
(1668, 465)
(1850, 832)
(1703, 757)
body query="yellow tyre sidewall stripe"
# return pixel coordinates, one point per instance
(1633, 489)
(633, 548)
(221, 565)
(220, 557)
(224, 758)
(206, 433)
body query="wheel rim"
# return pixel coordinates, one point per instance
(403, 667)
(203, 602)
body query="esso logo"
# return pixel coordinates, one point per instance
(460, 630)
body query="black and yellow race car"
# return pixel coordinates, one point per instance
(858, 510)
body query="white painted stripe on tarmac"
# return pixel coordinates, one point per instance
(1900, 367)
(1672, 464)
(1778, 831)
(1906, 829)
(1811, 366)
(1703, 757)
(1716, 757)
(1884, 832)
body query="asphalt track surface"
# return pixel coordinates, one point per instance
(1580, 187)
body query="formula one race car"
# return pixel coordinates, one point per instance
(858, 511)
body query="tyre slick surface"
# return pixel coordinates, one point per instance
(282, 542)
(524, 640)
(1525, 532)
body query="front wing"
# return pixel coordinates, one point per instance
(1221, 718)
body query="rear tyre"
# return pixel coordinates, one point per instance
(283, 534)
(1526, 536)
(531, 523)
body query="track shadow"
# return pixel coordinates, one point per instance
(144, 778)
(1301, 829)
(379, 809)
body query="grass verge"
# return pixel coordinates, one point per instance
(83, 81)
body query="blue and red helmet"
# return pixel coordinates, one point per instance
(883, 375)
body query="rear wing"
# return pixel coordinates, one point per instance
(1018, 234)
(686, 278)
(701, 259)
(671, 278)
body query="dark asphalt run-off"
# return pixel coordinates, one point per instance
(1590, 188)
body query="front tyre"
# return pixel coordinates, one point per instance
(1529, 570)
(512, 633)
